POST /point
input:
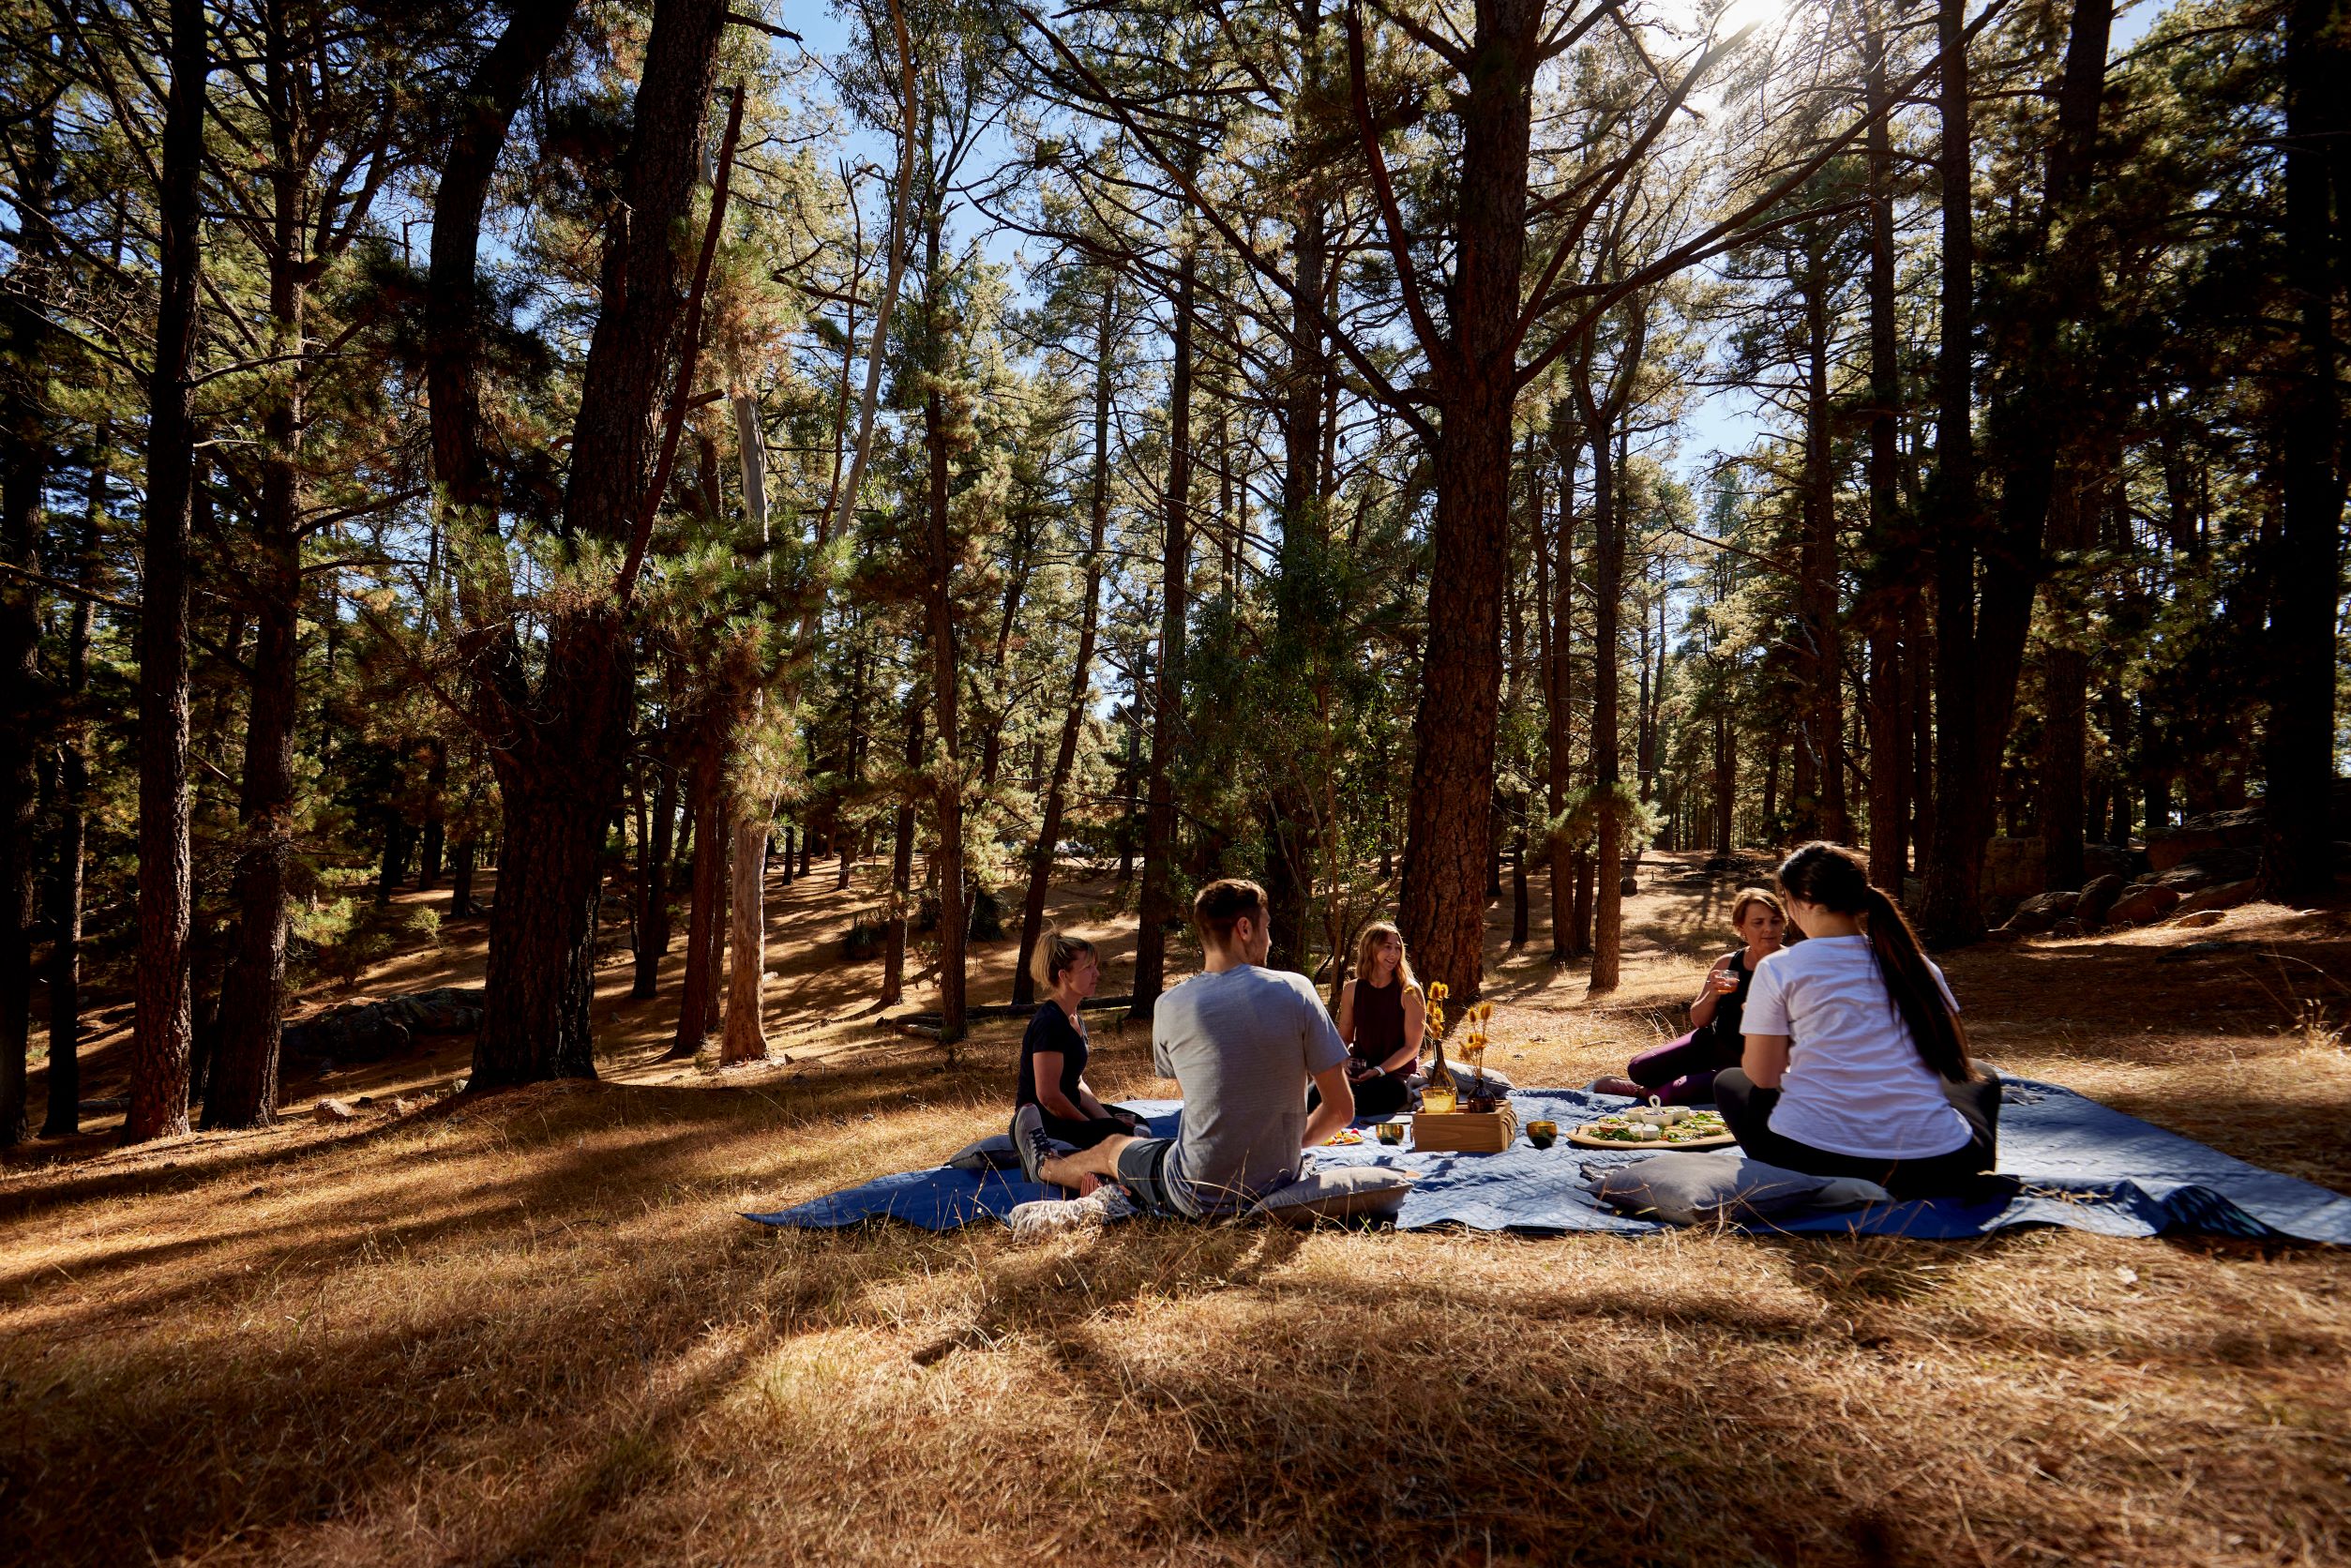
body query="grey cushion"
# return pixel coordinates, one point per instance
(1690, 1188)
(993, 1153)
(1337, 1192)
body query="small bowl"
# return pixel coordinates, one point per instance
(1543, 1134)
(1389, 1131)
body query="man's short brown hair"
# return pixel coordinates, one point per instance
(1216, 907)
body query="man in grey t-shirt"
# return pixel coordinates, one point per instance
(1242, 1042)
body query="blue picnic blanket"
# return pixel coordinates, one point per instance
(2078, 1164)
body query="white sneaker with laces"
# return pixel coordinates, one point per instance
(1046, 1215)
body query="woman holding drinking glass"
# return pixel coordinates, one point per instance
(1683, 1073)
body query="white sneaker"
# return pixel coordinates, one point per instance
(1046, 1215)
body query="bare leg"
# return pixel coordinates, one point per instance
(1100, 1163)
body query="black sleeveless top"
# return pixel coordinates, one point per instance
(1722, 1032)
(1378, 1021)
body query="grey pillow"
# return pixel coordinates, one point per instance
(1334, 1193)
(1692, 1188)
(993, 1153)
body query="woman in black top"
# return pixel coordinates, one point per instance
(1382, 1017)
(1054, 1051)
(1683, 1073)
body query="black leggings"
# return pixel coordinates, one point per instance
(1746, 1107)
(1084, 1132)
(1381, 1094)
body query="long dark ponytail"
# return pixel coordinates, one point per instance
(1836, 879)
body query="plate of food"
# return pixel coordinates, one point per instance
(1647, 1127)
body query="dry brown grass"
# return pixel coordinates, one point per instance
(531, 1329)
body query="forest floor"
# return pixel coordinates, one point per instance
(532, 1328)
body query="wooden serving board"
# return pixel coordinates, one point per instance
(1584, 1140)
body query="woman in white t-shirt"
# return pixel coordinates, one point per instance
(1855, 1062)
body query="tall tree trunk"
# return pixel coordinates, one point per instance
(1081, 673)
(1448, 832)
(2298, 754)
(452, 321)
(1963, 804)
(955, 928)
(1299, 642)
(1889, 740)
(2052, 381)
(560, 774)
(1824, 725)
(1157, 903)
(243, 1091)
(160, 1036)
(1608, 936)
(23, 696)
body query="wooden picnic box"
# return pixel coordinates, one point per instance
(1466, 1132)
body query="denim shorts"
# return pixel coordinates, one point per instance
(1159, 1192)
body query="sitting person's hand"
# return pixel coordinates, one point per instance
(1120, 1114)
(1358, 1069)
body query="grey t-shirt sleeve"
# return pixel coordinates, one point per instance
(1325, 1049)
(1159, 1062)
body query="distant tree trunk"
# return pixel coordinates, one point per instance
(747, 943)
(428, 865)
(1918, 712)
(1607, 935)
(70, 852)
(1166, 720)
(1130, 776)
(160, 1036)
(2065, 709)
(1081, 673)
(1558, 695)
(1580, 912)
(945, 687)
(2298, 757)
(791, 853)
(652, 885)
(1726, 780)
(902, 863)
(697, 996)
(462, 879)
(1962, 805)
(1518, 887)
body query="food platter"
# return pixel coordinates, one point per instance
(1671, 1127)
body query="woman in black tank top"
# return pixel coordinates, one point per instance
(1382, 1017)
(1682, 1071)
